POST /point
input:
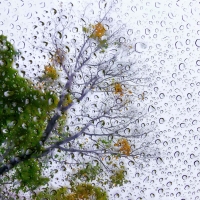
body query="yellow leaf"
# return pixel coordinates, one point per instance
(99, 30)
(124, 145)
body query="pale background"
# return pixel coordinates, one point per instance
(171, 31)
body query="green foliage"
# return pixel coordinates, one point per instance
(24, 113)
(103, 44)
(82, 191)
(118, 178)
(96, 32)
(23, 109)
(50, 72)
(85, 191)
(59, 194)
(29, 175)
(86, 30)
(106, 143)
(61, 123)
(89, 173)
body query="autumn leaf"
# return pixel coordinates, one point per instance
(99, 31)
(118, 89)
(124, 145)
(51, 72)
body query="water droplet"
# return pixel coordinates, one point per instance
(178, 194)
(182, 66)
(20, 109)
(189, 95)
(75, 30)
(5, 131)
(118, 100)
(198, 62)
(131, 163)
(176, 154)
(165, 143)
(182, 125)
(42, 4)
(169, 183)
(161, 120)
(178, 45)
(162, 23)
(2, 62)
(160, 191)
(162, 96)
(171, 119)
(139, 47)
(173, 140)
(196, 163)
(53, 11)
(11, 124)
(157, 4)
(184, 177)
(130, 32)
(24, 126)
(186, 187)
(181, 27)
(187, 42)
(174, 75)
(173, 83)
(8, 93)
(122, 39)
(194, 122)
(197, 42)
(137, 175)
(147, 31)
(156, 89)
(152, 195)
(154, 172)
(116, 195)
(171, 15)
(21, 45)
(158, 141)
(134, 8)
(151, 109)
(159, 160)
(178, 97)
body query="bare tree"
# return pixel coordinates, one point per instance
(98, 101)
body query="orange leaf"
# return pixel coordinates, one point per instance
(99, 30)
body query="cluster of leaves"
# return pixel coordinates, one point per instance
(118, 89)
(23, 112)
(78, 192)
(124, 145)
(106, 143)
(23, 109)
(118, 177)
(86, 191)
(96, 32)
(59, 194)
(67, 100)
(89, 173)
(29, 173)
(51, 72)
